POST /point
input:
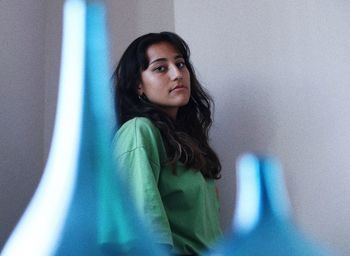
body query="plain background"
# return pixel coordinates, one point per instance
(279, 72)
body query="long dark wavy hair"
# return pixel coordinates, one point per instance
(186, 138)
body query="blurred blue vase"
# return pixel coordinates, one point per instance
(262, 223)
(81, 207)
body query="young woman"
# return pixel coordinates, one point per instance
(162, 144)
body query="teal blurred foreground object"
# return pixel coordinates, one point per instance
(262, 224)
(81, 207)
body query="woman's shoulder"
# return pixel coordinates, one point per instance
(138, 125)
(137, 133)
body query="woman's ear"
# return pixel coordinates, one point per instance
(140, 89)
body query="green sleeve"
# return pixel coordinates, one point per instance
(139, 164)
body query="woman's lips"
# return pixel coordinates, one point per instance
(178, 87)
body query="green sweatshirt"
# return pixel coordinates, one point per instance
(182, 209)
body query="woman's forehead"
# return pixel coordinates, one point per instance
(162, 50)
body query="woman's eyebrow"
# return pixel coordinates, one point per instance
(165, 59)
(179, 57)
(157, 60)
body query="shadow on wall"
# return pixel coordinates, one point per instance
(244, 121)
(123, 27)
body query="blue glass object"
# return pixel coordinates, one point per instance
(81, 207)
(262, 224)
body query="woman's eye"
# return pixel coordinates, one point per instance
(160, 69)
(181, 65)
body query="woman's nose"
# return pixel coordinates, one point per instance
(175, 73)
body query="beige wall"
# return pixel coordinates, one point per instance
(279, 72)
(22, 76)
(53, 41)
(132, 18)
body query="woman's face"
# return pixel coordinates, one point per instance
(166, 81)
